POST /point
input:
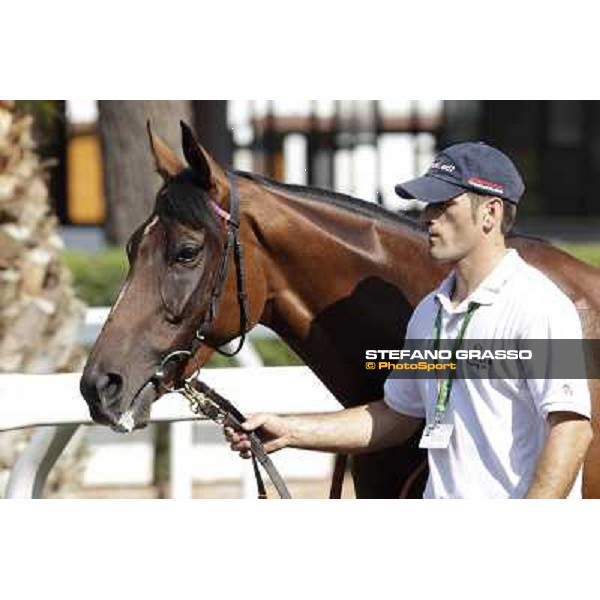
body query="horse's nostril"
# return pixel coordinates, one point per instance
(109, 386)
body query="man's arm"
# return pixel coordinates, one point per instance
(351, 431)
(562, 456)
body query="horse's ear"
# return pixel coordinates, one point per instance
(209, 173)
(167, 163)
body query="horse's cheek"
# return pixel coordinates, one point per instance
(177, 289)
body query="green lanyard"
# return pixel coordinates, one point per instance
(443, 396)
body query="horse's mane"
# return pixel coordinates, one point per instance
(349, 203)
(183, 200)
(173, 201)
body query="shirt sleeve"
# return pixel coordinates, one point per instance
(403, 394)
(555, 332)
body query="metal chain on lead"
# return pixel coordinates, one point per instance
(202, 404)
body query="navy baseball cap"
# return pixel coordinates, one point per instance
(471, 166)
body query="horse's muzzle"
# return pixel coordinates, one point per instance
(103, 392)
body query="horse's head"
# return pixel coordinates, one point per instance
(175, 258)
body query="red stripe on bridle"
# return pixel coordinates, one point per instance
(221, 212)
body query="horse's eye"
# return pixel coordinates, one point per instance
(187, 254)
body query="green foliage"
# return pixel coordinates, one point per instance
(47, 114)
(97, 276)
(589, 253)
(274, 353)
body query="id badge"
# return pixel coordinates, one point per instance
(436, 436)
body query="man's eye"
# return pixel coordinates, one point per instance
(187, 254)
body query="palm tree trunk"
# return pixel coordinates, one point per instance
(40, 316)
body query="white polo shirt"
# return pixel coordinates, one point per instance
(499, 424)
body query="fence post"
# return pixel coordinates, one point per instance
(180, 459)
(30, 471)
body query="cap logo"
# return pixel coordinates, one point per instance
(488, 186)
(447, 167)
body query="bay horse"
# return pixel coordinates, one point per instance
(330, 274)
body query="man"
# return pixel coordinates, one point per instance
(493, 438)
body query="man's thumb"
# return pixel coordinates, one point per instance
(254, 422)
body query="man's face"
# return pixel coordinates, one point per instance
(454, 231)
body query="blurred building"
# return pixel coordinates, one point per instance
(555, 143)
(363, 148)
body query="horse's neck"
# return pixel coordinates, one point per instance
(319, 253)
(337, 280)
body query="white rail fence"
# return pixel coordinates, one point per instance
(52, 404)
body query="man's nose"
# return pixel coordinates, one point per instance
(427, 216)
(431, 212)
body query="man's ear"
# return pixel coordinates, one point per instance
(209, 174)
(493, 212)
(167, 163)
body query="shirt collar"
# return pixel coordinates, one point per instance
(487, 291)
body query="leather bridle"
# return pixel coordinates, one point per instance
(203, 399)
(232, 221)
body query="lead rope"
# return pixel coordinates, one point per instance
(204, 400)
(337, 480)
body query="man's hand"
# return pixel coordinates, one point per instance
(275, 434)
